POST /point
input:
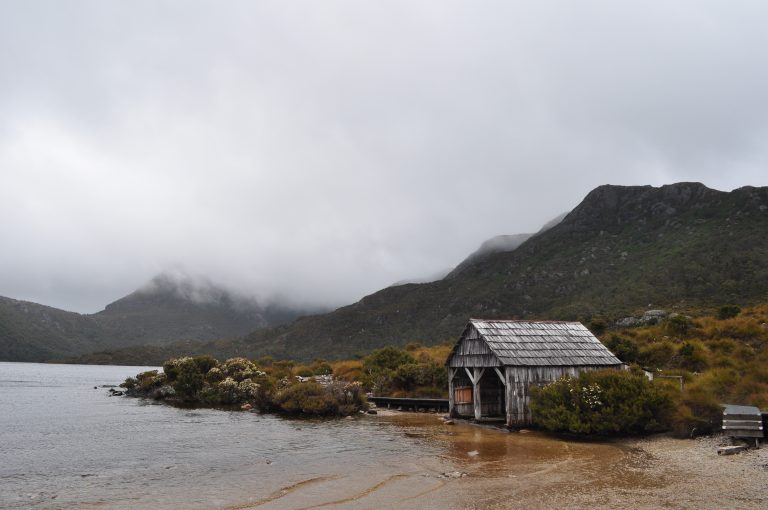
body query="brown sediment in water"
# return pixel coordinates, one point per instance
(535, 470)
(283, 491)
(360, 495)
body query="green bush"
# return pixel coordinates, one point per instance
(315, 399)
(307, 398)
(692, 356)
(321, 367)
(728, 312)
(698, 412)
(678, 325)
(144, 384)
(602, 402)
(657, 355)
(189, 380)
(597, 326)
(624, 348)
(413, 375)
(205, 363)
(238, 369)
(231, 392)
(387, 358)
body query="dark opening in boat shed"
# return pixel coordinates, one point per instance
(494, 363)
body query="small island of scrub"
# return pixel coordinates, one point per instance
(318, 389)
(239, 382)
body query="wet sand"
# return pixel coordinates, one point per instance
(483, 468)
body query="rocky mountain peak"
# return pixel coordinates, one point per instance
(611, 206)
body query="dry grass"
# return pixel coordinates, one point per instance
(722, 360)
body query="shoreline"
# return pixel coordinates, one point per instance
(487, 468)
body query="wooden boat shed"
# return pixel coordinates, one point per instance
(493, 364)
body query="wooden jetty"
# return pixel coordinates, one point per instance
(411, 404)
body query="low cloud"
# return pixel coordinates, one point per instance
(319, 152)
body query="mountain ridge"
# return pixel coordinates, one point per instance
(168, 310)
(622, 248)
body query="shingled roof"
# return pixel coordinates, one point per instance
(532, 343)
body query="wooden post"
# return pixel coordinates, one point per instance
(503, 394)
(451, 397)
(476, 392)
(508, 393)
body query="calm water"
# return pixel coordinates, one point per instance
(64, 444)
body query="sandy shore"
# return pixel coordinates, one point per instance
(483, 468)
(649, 473)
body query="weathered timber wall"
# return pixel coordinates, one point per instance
(473, 351)
(519, 381)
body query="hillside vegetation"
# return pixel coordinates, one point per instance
(720, 358)
(682, 246)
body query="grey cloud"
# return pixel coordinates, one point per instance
(320, 151)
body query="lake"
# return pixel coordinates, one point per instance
(64, 444)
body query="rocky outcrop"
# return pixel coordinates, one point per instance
(648, 318)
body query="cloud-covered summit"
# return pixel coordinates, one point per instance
(320, 151)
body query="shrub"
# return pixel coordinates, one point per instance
(170, 369)
(321, 367)
(282, 369)
(351, 370)
(189, 380)
(214, 375)
(412, 346)
(624, 348)
(308, 398)
(387, 358)
(314, 399)
(412, 375)
(238, 369)
(205, 363)
(602, 402)
(597, 326)
(349, 397)
(144, 383)
(678, 325)
(657, 355)
(728, 312)
(698, 412)
(692, 356)
(380, 366)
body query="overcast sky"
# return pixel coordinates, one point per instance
(323, 150)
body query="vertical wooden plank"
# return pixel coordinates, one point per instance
(451, 397)
(476, 393)
(508, 394)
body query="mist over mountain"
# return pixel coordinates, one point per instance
(171, 308)
(622, 249)
(499, 244)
